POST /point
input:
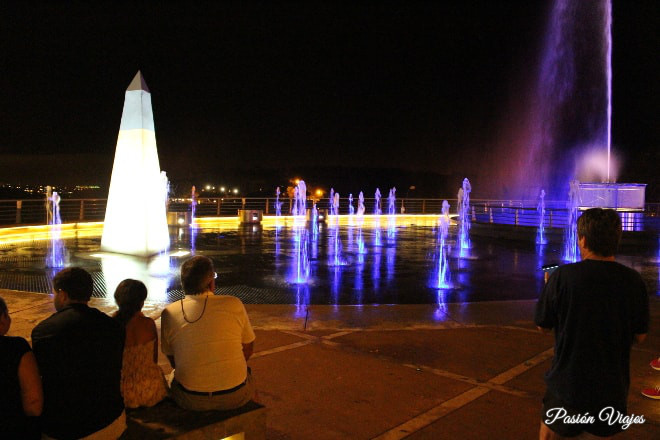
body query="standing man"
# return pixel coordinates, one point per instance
(208, 340)
(597, 308)
(79, 353)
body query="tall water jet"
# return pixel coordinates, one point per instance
(335, 209)
(360, 209)
(391, 210)
(571, 250)
(300, 199)
(377, 208)
(193, 212)
(568, 109)
(391, 202)
(56, 248)
(193, 204)
(135, 216)
(540, 235)
(464, 218)
(331, 201)
(351, 209)
(278, 204)
(442, 278)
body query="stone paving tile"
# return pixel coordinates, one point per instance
(494, 415)
(321, 392)
(479, 353)
(493, 312)
(19, 301)
(268, 339)
(532, 380)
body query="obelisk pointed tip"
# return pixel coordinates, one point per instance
(138, 83)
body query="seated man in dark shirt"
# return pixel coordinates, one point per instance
(79, 352)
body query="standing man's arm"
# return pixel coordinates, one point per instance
(545, 313)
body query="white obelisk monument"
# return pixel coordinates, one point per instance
(135, 217)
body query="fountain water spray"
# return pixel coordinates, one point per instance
(193, 205)
(391, 202)
(377, 209)
(443, 273)
(331, 201)
(540, 237)
(391, 210)
(351, 209)
(571, 250)
(300, 201)
(464, 218)
(278, 204)
(56, 250)
(360, 209)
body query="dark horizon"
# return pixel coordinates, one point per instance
(414, 86)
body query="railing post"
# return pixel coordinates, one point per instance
(81, 217)
(243, 203)
(266, 210)
(550, 219)
(217, 210)
(424, 206)
(490, 216)
(474, 215)
(515, 222)
(19, 208)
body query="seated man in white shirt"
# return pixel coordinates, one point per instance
(208, 340)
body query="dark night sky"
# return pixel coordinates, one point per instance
(274, 84)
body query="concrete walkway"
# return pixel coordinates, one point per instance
(464, 371)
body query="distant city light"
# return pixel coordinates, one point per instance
(319, 192)
(222, 189)
(208, 187)
(235, 191)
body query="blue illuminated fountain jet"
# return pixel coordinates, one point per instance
(442, 278)
(464, 218)
(56, 253)
(540, 236)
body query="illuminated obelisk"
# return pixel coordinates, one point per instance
(135, 217)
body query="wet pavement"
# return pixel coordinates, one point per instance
(418, 371)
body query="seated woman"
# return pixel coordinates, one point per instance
(22, 396)
(142, 381)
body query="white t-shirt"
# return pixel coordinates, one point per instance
(209, 352)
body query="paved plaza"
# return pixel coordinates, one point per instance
(464, 371)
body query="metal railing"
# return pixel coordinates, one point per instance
(514, 212)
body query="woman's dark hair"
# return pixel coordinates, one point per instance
(129, 296)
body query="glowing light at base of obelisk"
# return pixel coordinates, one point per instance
(135, 217)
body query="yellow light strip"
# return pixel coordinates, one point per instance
(94, 229)
(370, 220)
(43, 232)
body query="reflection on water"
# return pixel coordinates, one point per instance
(346, 264)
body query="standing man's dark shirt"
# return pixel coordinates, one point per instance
(595, 308)
(79, 352)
